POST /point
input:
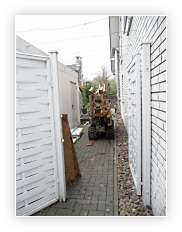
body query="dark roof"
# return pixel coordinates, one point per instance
(73, 67)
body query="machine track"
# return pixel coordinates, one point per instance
(109, 132)
(92, 135)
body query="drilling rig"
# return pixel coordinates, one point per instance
(100, 114)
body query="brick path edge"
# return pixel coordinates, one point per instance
(115, 179)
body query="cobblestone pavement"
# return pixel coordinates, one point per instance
(93, 194)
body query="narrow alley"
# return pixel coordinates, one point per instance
(93, 194)
(106, 187)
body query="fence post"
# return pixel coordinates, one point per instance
(146, 123)
(58, 126)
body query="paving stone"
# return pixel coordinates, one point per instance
(82, 192)
(77, 196)
(52, 211)
(110, 184)
(76, 210)
(101, 205)
(104, 182)
(88, 184)
(91, 188)
(84, 202)
(72, 200)
(70, 204)
(96, 188)
(96, 213)
(103, 193)
(89, 193)
(108, 212)
(68, 195)
(110, 191)
(83, 188)
(69, 188)
(102, 198)
(94, 202)
(102, 188)
(90, 207)
(109, 206)
(96, 198)
(85, 180)
(92, 182)
(61, 205)
(64, 212)
(77, 187)
(88, 197)
(109, 198)
(97, 184)
(84, 212)
(104, 177)
(41, 213)
(109, 188)
(97, 193)
(47, 209)
(77, 205)
(36, 214)
(75, 192)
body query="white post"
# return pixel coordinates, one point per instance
(146, 123)
(138, 127)
(58, 126)
(78, 103)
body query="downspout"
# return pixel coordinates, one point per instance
(124, 23)
(129, 26)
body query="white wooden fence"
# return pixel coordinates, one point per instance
(39, 181)
(139, 122)
(134, 121)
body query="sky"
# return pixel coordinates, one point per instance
(71, 35)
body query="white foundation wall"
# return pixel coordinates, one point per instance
(153, 29)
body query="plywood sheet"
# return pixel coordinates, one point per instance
(90, 142)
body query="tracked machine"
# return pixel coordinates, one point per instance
(100, 114)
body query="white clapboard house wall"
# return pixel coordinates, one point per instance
(40, 174)
(138, 61)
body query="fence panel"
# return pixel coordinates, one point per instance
(134, 123)
(36, 170)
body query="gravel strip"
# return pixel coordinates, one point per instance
(129, 203)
